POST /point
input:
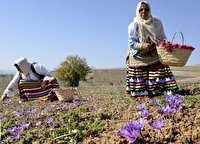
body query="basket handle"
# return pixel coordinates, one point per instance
(181, 36)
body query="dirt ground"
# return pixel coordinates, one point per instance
(184, 129)
(187, 76)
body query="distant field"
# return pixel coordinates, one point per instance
(117, 76)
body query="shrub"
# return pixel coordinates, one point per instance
(72, 70)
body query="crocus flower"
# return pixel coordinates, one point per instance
(37, 123)
(77, 102)
(49, 120)
(49, 108)
(57, 125)
(15, 137)
(25, 125)
(138, 125)
(156, 101)
(63, 106)
(19, 113)
(129, 132)
(166, 110)
(8, 101)
(32, 111)
(17, 129)
(141, 107)
(145, 114)
(93, 108)
(158, 124)
(174, 101)
(9, 130)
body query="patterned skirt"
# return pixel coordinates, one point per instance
(150, 80)
(31, 90)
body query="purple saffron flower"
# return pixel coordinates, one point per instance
(174, 101)
(129, 132)
(37, 123)
(19, 113)
(49, 120)
(141, 107)
(17, 129)
(57, 125)
(16, 136)
(49, 108)
(8, 101)
(145, 114)
(94, 108)
(9, 130)
(166, 110)
(63, 106)
(138, 125)
(77, 102)
(158, 124)
(25, 125)
(32, 111)
(156, 101)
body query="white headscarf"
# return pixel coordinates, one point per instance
(24, 65)
(152, 27)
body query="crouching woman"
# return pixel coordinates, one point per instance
(34, 82)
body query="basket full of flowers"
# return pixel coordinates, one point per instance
(174, 54)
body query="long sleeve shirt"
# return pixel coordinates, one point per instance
(29, 77)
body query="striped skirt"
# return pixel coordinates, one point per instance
(31, 90)
(150, 81)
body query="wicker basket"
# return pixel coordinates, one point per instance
(177, 56)
(66, 94)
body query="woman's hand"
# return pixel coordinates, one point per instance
(43, 85)
(3, 97)
(145, 47)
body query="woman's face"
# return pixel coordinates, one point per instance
(144, 11)
(18, 68)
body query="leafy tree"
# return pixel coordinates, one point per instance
(72, 70)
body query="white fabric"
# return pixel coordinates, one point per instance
(30, 76)
(152, 27)
(23, 64)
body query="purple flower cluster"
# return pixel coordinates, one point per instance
(15, 131)
(7, 101)
(175, 101)
(77, 102)
(49, 108)
(49, 120)
(158, 124)
(156, 101)
(132, 130)
(94, 108)
(23, 112)
(37, 123)
(141, 107)
(166, 110)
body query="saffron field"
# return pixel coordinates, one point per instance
(103, 114)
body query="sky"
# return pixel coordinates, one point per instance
(48, 31)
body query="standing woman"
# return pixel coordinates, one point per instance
(146, 76)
